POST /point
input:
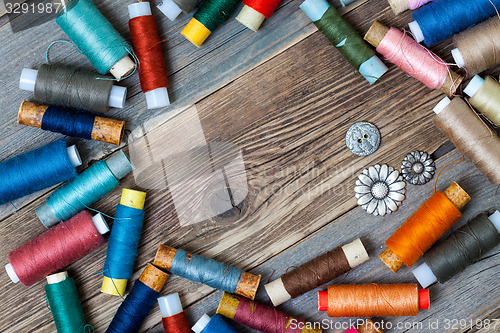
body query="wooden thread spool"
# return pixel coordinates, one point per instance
(394, 257)
(377, 33)
(247, 284)
(104, 129)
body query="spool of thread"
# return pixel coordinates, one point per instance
(172, 8)
(72, 88)
(56, 248)
(261, 317)
(216, 324)
(459, 250)
(139, 301)
(123, 242)
(63, 302)
(478, 48)
(343, 36)
(316, 272)
(173, 316)
(475, 140)
(485, 96)
(92, 184)
(413, 58)
(399, 6)
(37, 169)
(96, 38)
(207, 271)
(74, 123)
(419, 232)
(373, 300)
(254, 12)
(368, 326)
(439, 20)
(147, 46)
(209, 16)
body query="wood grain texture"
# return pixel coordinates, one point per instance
(286, 97)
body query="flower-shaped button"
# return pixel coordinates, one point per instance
(380, 190)
(418, 168)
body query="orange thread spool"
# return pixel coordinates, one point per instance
(369, 300)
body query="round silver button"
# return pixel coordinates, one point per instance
(363, 138)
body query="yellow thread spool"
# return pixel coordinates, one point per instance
(195, 32)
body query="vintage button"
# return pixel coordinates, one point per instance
(363, 138)
(418, 168)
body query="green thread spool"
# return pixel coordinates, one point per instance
(209, 16)
(343, 36)
(63, 301)
(485, 97)
(96, 38)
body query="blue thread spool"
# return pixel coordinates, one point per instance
(216, 324)
(91, 185)
(441, 19)
(38, 169)
(96, 38)
(139, 301)
(123, 242)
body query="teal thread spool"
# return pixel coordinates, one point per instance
(63, 301)
(343, 36)
(91, 185)
(96, 38)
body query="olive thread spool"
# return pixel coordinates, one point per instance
(485, 97)
(400, 6)
(123, 242)
(471, 135)
(174, 318)
(38, 169)
(136, 306)
(316, 272)
(63, 302)
(439, 76)
(210, 272)
(173, 8)
(92, 184)
(417, 234)
(260, 317)
(72, 88)
(343, 36)
(96, 38)
(215, 324)
(460, 249)
(75, 123)
(56, 248)
(254, 12)
(373, 300)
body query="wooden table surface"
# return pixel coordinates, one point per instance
(286, 98)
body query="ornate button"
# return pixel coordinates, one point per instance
(418, 168)
(362, 138)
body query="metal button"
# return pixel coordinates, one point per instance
(418, 167)
(363, 138)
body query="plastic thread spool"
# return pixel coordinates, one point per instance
(378, 300)
(35, 170)
(173, 316)
(343, 36)
(316, 272)
(216, 324)
(485, 97)
(460, 249)
(147, 46)
(93, 183)
(402, 50)
(254, 12)
(172, 8)
(116, 95)
(399, 6)
(80, 124)
(56, 248)
(207, 271)
(424, 227)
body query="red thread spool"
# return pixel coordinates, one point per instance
(254, 12)
(56, 248)
(174, 318)
(147, 47)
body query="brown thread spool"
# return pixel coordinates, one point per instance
(368, 326)
(376, 34)
(154, 277)
(393, 257)
(384, 300)
(104, 129)
(316, 272)
(247, 285)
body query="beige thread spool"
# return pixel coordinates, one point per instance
(485, 97)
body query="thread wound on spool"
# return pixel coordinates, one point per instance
(35, 170)
(487, 99)
(218, 324)
(368, 326)
(55, 248)
(177, 323)
(254, 11)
